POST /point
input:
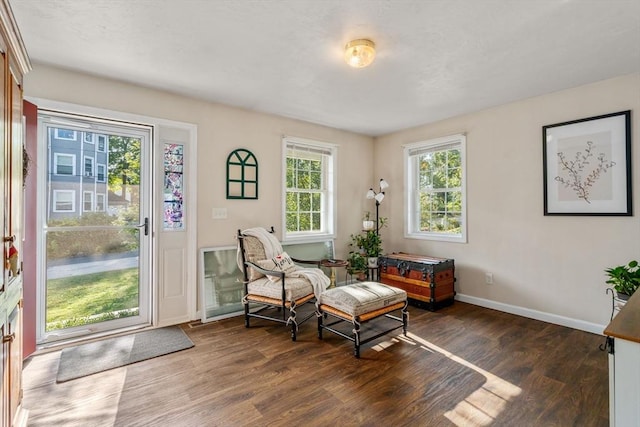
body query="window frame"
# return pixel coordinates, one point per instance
(57, 134)
(104, 172)
(89, 140)
(412, 213)
(84, 167)
(54, 202)
(84, 201)
(104, 202)
(328, 193)
(102, 139)
(56, 163)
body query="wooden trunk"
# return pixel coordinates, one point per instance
(428, 281)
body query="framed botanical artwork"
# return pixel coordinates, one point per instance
(587, 166)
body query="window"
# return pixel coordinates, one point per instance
(100, 203)
(88, 137)
(64, 200)
(435, 179)
(87, 201)
(88, 166)
(65, 134)
(102, 143)
(101, 172)
(309, 189)
(64, 164)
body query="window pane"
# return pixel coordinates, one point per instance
(437, 174)
(305, 222)
(316, 180)
(305, 202)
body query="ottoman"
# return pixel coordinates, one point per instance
(360, 303)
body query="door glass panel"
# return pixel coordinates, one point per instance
(96, 247)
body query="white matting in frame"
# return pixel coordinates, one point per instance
(587, 166)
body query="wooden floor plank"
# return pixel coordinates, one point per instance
(460, 366)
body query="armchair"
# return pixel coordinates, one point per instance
(274, 285)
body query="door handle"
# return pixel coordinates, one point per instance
(145, 224)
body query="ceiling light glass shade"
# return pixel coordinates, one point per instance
(379, 197)
(359, 53)
(371, 194)
(383, 184)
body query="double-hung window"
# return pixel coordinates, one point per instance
(436, 193)
(88, 167)
(309, 188)
(64, 164)
(64, 200)
(87, 201)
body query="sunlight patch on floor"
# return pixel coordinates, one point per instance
(482, 406)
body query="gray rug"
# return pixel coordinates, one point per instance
(87, 359)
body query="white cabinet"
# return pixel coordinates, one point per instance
(624, 384)
(624, 365)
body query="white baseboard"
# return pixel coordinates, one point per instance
(594, 328)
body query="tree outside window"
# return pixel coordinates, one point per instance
(308, 188)
(436, 205)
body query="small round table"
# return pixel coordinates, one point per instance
(332, 264)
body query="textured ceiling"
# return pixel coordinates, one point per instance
(435, 58)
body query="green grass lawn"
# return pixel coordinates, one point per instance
(91, 298)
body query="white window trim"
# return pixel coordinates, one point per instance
(104, 148)
(331, 182)
(104, 202)
(90, 140)
(409, 219)
(55, 164)
(98, 165)
(84, 194)
(55, 201)
(84, 167)
(57, 134)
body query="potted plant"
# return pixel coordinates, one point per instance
(625, 279)
(357, 265)
(367, 224)
(370, 244)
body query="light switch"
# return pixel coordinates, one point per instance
(219, 213)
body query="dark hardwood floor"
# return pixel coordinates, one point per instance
(460, 366)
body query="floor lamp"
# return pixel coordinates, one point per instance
(378, 196)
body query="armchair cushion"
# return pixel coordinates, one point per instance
(295, 288)
(282, 262)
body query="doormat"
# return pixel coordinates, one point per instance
(88, 359)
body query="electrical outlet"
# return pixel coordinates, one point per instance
(488, 278)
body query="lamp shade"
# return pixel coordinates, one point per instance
(379, 197)
(371, 194)
(383, 184)
(359, 53)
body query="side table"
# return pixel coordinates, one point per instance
(333, 264)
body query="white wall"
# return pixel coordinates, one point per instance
(548, 264)
(544, 265)
(222, 129)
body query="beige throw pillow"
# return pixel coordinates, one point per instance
(282, 262)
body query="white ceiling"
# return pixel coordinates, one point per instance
(435, 58)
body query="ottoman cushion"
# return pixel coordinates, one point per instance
(361, 298)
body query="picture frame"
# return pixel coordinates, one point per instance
(587, 166)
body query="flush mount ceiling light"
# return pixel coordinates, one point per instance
(359, 53)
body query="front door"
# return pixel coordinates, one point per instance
(96, 231)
